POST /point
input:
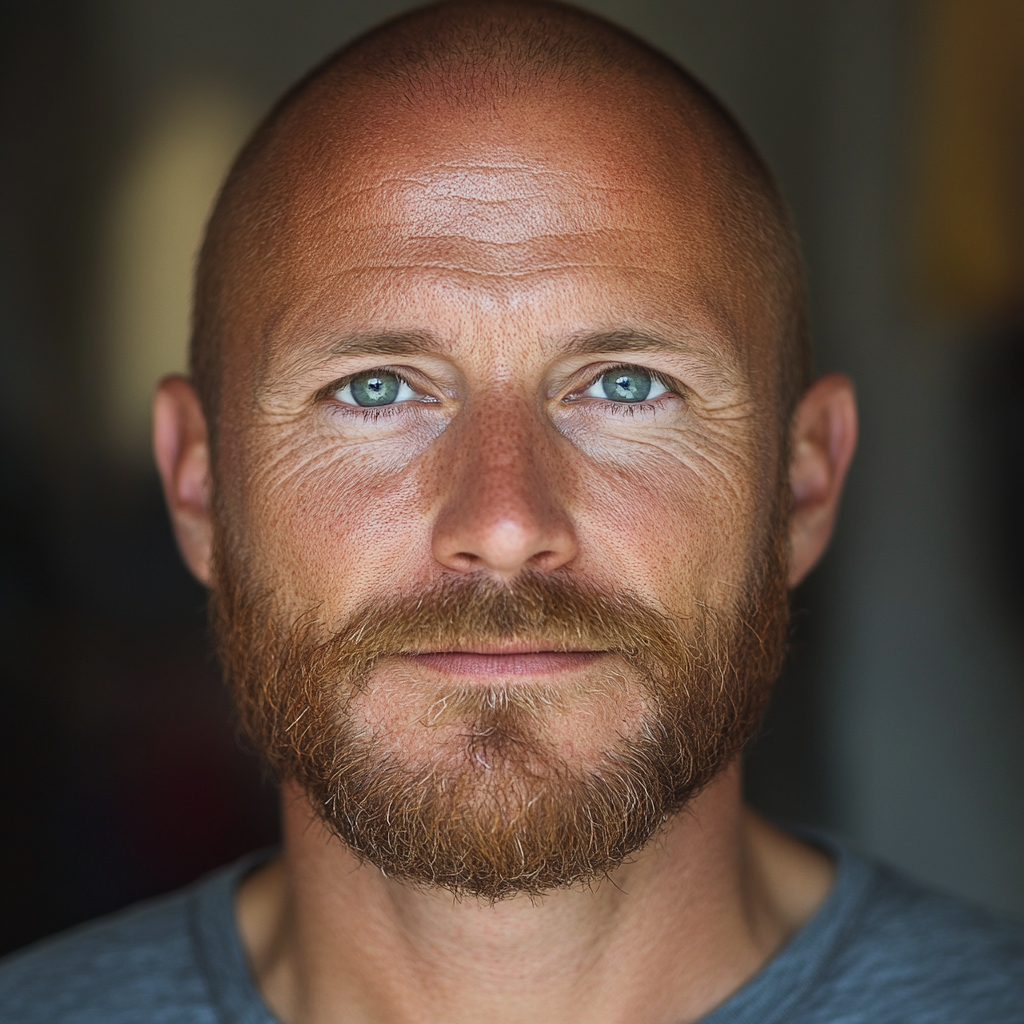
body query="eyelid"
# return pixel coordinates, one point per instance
(668, 383)
(329, 391)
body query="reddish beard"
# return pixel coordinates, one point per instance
(499, 811)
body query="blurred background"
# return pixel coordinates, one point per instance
(897, 130)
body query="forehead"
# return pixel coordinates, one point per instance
(583, 204)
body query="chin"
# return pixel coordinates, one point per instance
(513, 727)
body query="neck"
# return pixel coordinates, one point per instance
(671, 935)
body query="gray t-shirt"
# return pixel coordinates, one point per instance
(880, 950)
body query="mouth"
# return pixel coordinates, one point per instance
(505, 660)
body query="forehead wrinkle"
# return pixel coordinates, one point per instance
(507, 185)
(308, 320)
(499, 202)
(413, 209)
(518, 260)
(457, 269)
(466, 173)
(409, 199)
(577, 238)
(397, 243)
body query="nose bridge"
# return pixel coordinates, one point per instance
(503, 506)
(503, 451)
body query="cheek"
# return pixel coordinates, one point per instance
(675, 524)
(329, 526)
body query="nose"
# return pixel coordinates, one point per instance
(501, 510)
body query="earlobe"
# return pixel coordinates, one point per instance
(824, 436)
(181, 448)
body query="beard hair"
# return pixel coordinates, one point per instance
(505, 815)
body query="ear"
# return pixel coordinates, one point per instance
(824, 435)
(181, 447)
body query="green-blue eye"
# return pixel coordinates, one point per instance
(374, 389)
(626, 384)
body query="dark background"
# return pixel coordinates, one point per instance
(898, 723)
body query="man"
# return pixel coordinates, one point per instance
(498, 456)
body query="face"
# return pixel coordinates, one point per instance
(500, 345)
(499, 486)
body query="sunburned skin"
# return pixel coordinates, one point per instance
(492, 267)
(509, 275)
(501, 271)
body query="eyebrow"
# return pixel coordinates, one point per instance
(621, 341)
(401, 343)
(389, 343)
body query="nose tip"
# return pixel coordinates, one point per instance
(502, 513)
(505, 546)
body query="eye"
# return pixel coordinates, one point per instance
(374, 389)
(626, 384)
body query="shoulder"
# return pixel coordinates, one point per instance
(912, 955)
(139, 964)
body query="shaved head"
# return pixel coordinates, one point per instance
(460, 66)
(499, 329)
(500, 335)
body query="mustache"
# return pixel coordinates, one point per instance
(561, 613)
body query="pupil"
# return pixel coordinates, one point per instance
(375, 388)
(626, 385)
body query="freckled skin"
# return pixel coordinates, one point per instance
(497, 237)
(499, 242)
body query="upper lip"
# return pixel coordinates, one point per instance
(514, 647)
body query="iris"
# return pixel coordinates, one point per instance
(626, 384)
(375, 388)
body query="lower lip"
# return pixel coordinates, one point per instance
(538, 663)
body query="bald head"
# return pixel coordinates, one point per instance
(507, 77)
(500, 303)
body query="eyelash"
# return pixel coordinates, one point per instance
(630, 409)
(374, 415)
(367, 414)
(626, 408)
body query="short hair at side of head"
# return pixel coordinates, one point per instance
(467, 52)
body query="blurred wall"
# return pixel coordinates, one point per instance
(925, 666)
(897, 724)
